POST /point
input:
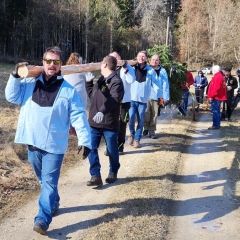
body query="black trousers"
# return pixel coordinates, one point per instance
(227, 108)
(124, 118)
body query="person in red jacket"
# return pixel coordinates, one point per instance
(217, 93)
(185, 88)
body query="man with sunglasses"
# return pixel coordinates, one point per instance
(49, 104)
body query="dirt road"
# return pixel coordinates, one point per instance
(176, 187)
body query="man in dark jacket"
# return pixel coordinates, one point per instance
(105, 97)
(232, 84)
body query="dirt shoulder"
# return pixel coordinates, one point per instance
(168, 180)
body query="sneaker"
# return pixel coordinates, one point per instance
(213, 128)
(136, 144)
(152, 135)
(106, 153)
(111, 178)
(40, 227)
(95, 181)
(130, 139)
(145, 133)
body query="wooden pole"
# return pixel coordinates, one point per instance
(35, 71)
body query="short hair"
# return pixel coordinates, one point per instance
(216, 68)
(54, 49)
(111, 62)
(74, 58)
(144, 52)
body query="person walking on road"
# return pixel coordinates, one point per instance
(77, 80)
(151, 114)
(217, 93)
(200, 82)
(232, 84)
(105, 97)
(127, 74)
(146, 78)
(185, 89)
(49, 105)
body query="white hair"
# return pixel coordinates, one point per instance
(215, 69)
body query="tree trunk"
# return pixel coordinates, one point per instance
(35, 71)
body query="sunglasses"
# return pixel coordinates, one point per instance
(55, 62)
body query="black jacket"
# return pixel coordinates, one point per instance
(231, 81)
(106, 96)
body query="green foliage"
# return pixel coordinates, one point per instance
(176, 72)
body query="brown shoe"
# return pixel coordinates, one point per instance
(152, 135)
(95, 181)
(130, 139)
(136, 144)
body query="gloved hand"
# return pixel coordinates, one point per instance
(124, 66)
(15, 71)
(84, 151)
(98, 117)
(89, 76)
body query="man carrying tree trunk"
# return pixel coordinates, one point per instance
(127, 75)
(105, 97)
(146, 79)
(49, 105)
(154, 102)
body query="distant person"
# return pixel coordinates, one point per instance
(232, 84)
(151, 115)
(185, 88)
(105, 97)
(146, 78)
(48, 106)
(127, 74)
(200, 82)
(77, 80)
(217, 92)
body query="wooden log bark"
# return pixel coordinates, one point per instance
(35, 71)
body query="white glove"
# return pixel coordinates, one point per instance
(98, 117)
(89, 76)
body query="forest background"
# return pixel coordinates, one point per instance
(199, 32)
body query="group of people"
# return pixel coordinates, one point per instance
(54, 106)
(220, 92)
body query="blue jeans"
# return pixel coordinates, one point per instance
(111, 138)
(137, 108)
(185, 99)
(47, 169)
(215, 106)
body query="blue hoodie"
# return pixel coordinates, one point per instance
(47, 127)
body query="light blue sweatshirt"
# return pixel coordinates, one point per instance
(163, 79)
(140, 91)
(47, 128)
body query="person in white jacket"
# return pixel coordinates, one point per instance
(146, 80)
(77, 80)
(49, 105)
